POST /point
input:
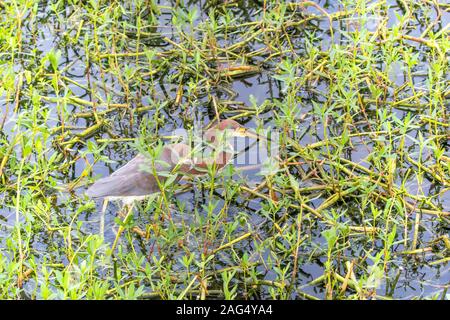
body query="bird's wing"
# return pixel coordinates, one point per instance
(134, 184)
(135, 178)
(138, 163)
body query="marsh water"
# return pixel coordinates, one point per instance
(408, 276)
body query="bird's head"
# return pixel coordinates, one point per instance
(229, 127)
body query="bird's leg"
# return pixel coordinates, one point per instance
(102, 218)
(121, 228)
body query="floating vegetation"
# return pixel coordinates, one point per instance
(356, 204)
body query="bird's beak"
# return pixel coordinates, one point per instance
(244, 132)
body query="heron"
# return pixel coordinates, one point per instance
(143, 176)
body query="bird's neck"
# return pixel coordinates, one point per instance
(219, 162)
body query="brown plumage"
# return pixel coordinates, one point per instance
(136, 179)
